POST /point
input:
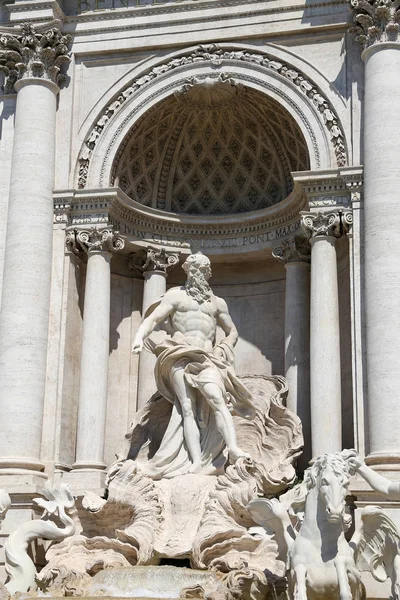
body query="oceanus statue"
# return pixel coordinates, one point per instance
(196, 375)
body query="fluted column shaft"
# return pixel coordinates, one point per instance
(153, 264)
(297, 336)
(325, 378)
(99, 246)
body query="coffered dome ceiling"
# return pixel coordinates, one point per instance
(213, 148)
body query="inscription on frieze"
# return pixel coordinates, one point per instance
(219, 243)
(84, 6)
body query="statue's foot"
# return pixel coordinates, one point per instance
(196, 467)
(236, 453)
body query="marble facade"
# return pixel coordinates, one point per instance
(134, 133)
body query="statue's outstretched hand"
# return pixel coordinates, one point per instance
(355, 462)
(137, 346)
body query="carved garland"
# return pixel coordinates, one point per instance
(216, 55)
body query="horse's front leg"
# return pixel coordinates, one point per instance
(300, 585)
(343, 579)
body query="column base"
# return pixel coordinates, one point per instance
(89, 465)
(22, 475)
(16, 462)
(384, 461)
(83, 480)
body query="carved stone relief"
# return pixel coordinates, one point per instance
(216, 56)
(33, 54)
(375, 21)
(93, 240)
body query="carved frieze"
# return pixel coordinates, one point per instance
(292, 250)
(327, 224)
(93, 240)
(150, 259)
(375, 21)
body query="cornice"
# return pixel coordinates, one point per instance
(331, 187)
(187, 6)
(111, 206)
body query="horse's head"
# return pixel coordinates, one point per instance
(330, 475)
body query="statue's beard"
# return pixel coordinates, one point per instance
(198, 287)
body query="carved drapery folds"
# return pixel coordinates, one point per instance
(94, 240)
(333, 223)
(292, 250)
(150, 259)
(32, 54)
(375, 21)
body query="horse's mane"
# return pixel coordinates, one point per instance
(339, 464)
(337, 461)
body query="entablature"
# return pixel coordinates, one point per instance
(238, 233)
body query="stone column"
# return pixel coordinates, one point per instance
(154, 265)
(99, 245)
(325, 382)
(378, 32)
(296, 258)
(31, 62)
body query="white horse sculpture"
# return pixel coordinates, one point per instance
(321, 563)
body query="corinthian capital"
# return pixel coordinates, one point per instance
(333, 223)
(93, 240)
(151, 259)
(31, 54)
(292, 250)
(375, 21)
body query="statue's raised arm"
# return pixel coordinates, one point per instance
(161, 312)
(382, 485)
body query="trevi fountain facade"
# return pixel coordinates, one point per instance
(200, 299)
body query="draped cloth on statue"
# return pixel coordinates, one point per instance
(200, 368)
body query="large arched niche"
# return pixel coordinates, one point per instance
(216, 147)
(294, 92)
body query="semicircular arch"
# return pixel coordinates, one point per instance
(259, 71)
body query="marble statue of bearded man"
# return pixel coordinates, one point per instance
(196, 375)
